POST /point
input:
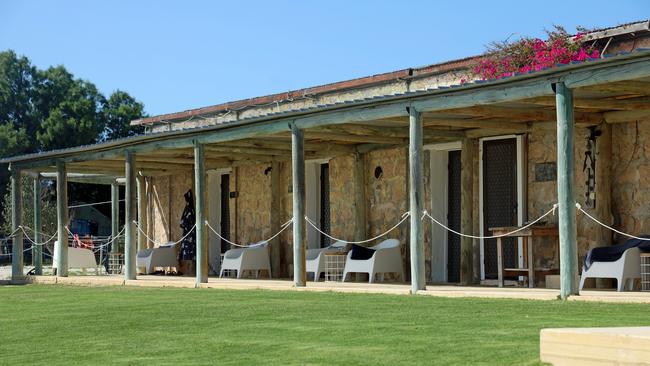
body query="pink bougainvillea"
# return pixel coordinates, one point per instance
(533, 54)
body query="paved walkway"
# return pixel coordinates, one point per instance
(349, 287)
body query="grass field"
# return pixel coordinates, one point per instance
(153, 326)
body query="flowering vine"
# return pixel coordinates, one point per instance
(533, 54)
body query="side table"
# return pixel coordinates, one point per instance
(334, 265)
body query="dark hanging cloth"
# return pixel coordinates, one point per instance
(615, 252)
(188, 219)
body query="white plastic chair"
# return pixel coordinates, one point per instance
(627, 268)
(254, 258)
(387, 258)
(163, 256)
(316, 259)
(78, 258)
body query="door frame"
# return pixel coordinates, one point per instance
(521, 174)
(213, 181)
(439, 201)
(312, 199)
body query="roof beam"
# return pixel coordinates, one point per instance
(602, 104)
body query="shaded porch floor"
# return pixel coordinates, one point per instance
(348, 287)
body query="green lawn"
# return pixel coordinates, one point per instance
(147, 326)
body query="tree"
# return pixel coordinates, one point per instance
(120, 109)
(71, 110)
(48, 210)
(51, 109)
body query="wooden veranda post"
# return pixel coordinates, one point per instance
(115, 216)
(276, 208)
(62, 219)
(37, 250)
(359, 198)
(298, 179)
(129, 215)
(565, 193)
(416, 201)
(467, 270)
(16, 222)
(200, 197)
(142, 210)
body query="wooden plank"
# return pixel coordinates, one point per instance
(382, 131)
(234, 150)
(299, 229)
(359, 184)
(416, 202)
(130, 251)
(565, 190)
(467, 155)
(115, 215)
(37, 250)
(627, 116)
(332, 136)
(627, 87)
(17, 265)
(604, 73)
(276, 210)
(201, 199)
(598, 103)
(520, 115)
(487, 132)
(475, 123)
(61, 219)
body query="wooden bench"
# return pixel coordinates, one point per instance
(595, 346)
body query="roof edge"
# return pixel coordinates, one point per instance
(403, 74)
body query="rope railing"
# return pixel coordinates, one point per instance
(95, 246)
(283, 227)
(10, 236)
(552, 210)
(155, 242)
(10, 254)
(34, 242)
(405, 216)
(579, 207)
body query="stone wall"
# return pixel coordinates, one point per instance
(386, 196)
(253, 206)
(542, 195)
(631, 177)
(342, 219)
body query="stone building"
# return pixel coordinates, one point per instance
(489, 159)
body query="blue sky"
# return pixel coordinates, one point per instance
(187, 54)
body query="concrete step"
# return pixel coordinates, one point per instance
(595, 346)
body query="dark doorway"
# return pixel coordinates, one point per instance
(325, 203)
(453, 216)
(225, 211)
(499, 200)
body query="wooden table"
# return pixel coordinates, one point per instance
(527, 235)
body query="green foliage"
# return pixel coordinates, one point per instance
(51, 109)
(48, 207)
(119, 110)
